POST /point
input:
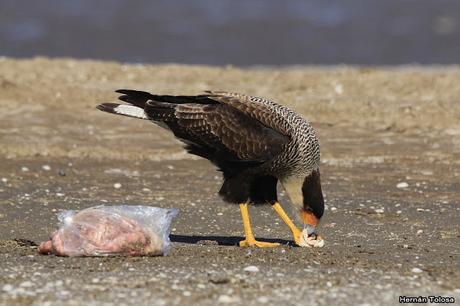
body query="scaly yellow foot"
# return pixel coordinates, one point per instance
(252, 242)
(296, 233)
(302, 238)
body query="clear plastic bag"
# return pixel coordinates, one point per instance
(111, 230)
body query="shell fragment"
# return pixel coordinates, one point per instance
(314, 241)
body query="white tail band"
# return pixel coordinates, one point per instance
(129, 110)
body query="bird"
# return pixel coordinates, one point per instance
(253, 141)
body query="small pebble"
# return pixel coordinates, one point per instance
(26, 284)
(338, 88)
(7, 288)
(46, 167)
(333, 208)
(402, 185)
(227, 299)
(61, 172)
(207, 242)
(4, 180)
(417, 270)
(60, 194)
(117, 185)
(262, 299)
(380, 210)
(419, 232)
(251, 269)
(24, 169)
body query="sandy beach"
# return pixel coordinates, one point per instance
(390, 145)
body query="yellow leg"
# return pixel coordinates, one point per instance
(250, 240)
(295, 231)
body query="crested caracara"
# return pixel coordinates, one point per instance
(253, 141)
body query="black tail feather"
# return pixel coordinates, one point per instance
(107, 107)
(135, 97)
(139, 98)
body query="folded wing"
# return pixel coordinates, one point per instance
(214, 125)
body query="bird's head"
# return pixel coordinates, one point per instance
(307, 196)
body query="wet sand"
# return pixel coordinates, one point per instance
(378, 127)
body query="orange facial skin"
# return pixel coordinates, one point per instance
(308, 218)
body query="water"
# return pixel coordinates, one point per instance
(239, 32)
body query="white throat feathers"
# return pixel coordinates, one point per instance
(293, 187)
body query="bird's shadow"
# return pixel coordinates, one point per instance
(221, 240)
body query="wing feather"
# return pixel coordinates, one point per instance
(220, 127)
(263, 110)
(226, 126)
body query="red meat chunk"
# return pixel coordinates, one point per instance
(97, 232)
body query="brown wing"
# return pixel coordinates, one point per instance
(217, 129)
(260, 109)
